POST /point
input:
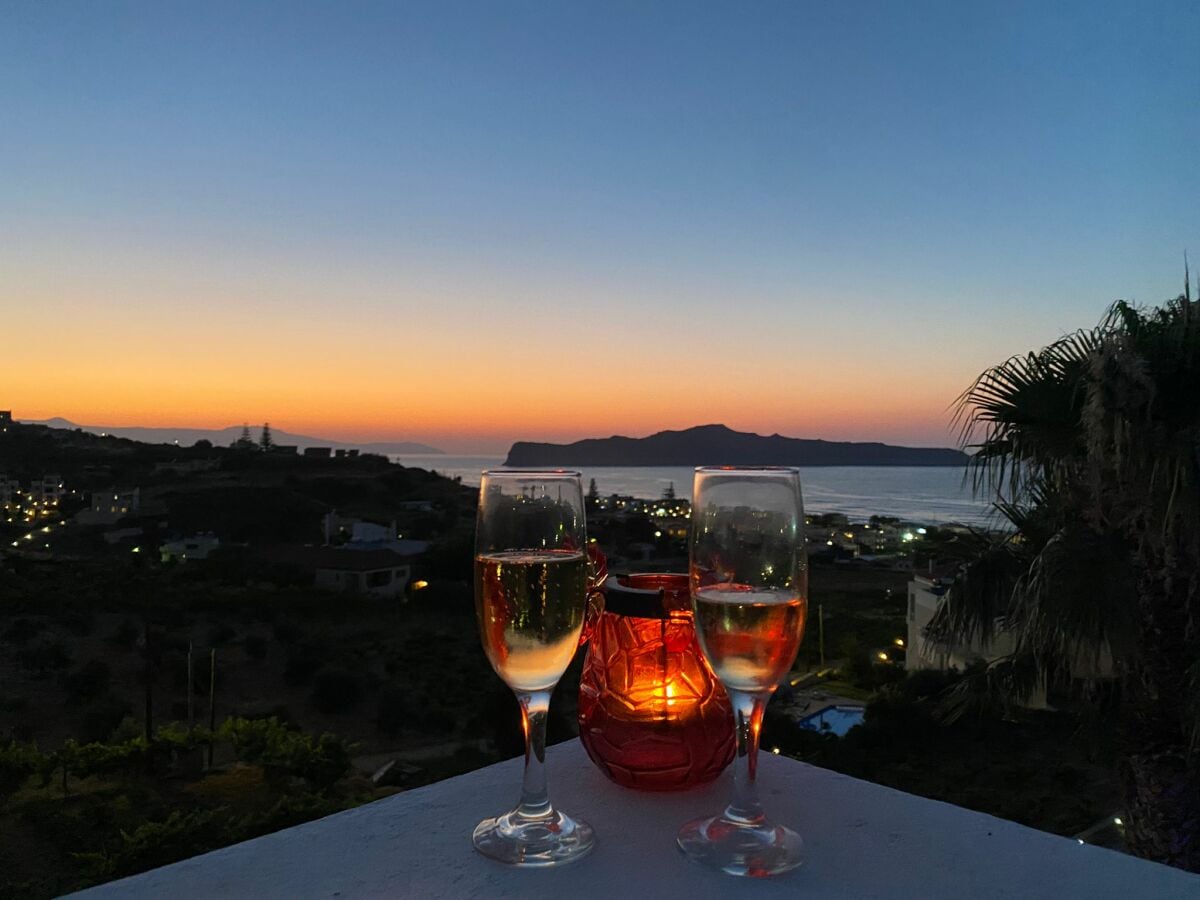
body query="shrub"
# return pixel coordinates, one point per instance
(22, 631)
(336, 690)
(395, 710)
(89, 681)
(221, 634)
(285, 753)
(80, 624)
(101, 719)
(301, 666)
(287, 632)
(17, 762)
(45, 657)
(157, 843)
(257, 647)
(126, 635)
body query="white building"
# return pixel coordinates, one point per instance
(375, 573)
(10, 492)
(117, 501)
(47, 489)
(925, 594)
(198, 546)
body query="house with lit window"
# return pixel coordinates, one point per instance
(117, 501)
(10, 492)
(110, 505)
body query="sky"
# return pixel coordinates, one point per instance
(469, 224)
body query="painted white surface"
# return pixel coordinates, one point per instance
(864, 841)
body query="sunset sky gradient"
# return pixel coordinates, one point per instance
(468, 224)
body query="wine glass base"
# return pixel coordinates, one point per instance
(533, 843)
(754, 850)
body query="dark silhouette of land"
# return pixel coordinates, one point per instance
(223, 437)
(719, 445)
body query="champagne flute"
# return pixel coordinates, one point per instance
(531, 573)
(749, 586)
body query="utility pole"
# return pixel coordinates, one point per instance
(821, 632)
(190, 691)
(212, 708)
(148, 677)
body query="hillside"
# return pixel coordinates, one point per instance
(719, 445)
(223, 437)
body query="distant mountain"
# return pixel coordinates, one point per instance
(223, 437)
(721, 446)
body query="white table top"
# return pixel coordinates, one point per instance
(863, 840)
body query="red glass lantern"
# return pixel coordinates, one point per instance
(651, 713)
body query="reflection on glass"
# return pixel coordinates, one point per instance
(749, 586)
(530, 597)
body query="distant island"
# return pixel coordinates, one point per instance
(719, 445)
(223, 437)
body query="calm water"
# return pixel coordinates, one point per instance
(917, 494)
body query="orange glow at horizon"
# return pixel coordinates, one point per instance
(462, 373)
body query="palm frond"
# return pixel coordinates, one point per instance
(992, 687)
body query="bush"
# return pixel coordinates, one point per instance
(287, 632)
(89, 681)
(22, 631)
(395, 710)
(153, 844)
(285, 753)
(125, 636)
(17, 762)
(257, 647)
(101, 719)
(221, 634)
(336, 690)
(301, 666)
(80, 624)
(45, 657)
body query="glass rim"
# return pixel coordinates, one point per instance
(747, 470)
(545, 473)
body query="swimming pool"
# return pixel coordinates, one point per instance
(833, 719)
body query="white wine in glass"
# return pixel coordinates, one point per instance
(749, 586)
(531, 586)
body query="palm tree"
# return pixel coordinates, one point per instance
(1090, 449)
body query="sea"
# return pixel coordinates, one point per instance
(932, 495)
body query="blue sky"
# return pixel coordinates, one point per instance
(866, 186)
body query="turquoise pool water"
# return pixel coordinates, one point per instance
(833, 719)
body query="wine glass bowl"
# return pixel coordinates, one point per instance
(749, 586)
(531, 587)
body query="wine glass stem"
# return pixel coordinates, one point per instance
(535, 798)
(748, 713)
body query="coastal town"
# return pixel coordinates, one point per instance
(155, 590)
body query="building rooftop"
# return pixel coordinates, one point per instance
(864, 841)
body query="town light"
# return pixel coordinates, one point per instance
(899, 642)
(883, 657)
(420, 585)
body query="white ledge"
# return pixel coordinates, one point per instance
(863, 841)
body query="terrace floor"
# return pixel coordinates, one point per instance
(864, 841)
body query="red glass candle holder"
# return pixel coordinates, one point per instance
(651, 713)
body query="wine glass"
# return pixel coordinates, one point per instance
(749, 586)
(531, 584)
